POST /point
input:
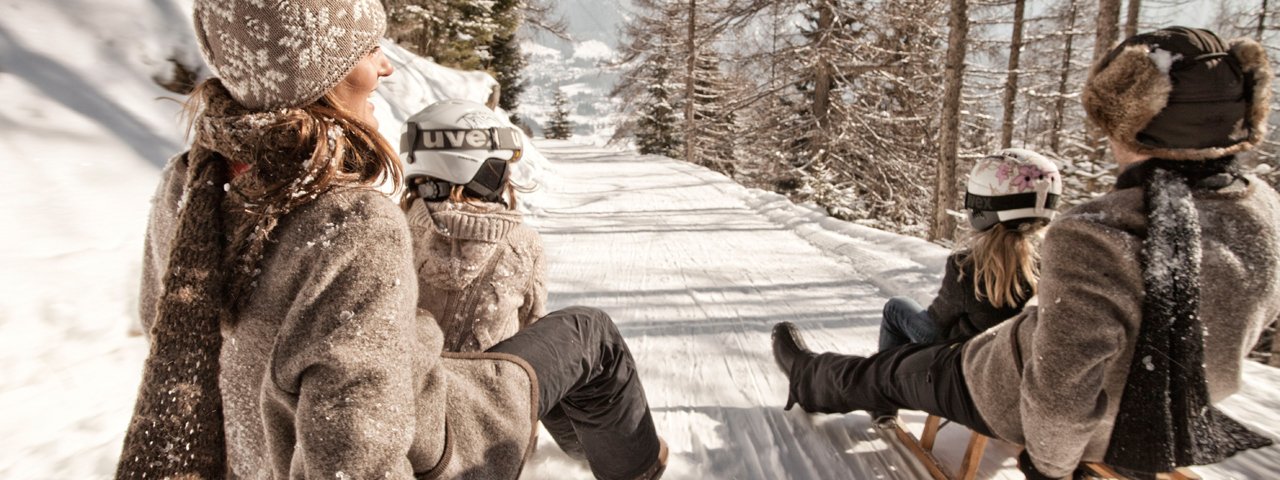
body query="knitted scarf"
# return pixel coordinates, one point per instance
(223, 228)
(1165, 420)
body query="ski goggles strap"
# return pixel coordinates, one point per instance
(1007, 202)
(496, 138)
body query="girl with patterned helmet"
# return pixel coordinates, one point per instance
(1012, 194)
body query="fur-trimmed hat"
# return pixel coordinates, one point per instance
(1181, 94)
(274, 55)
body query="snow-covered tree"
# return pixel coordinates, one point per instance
(560, 127)
(656, 119)
(713, 123)
(454, 33)
(506, 61)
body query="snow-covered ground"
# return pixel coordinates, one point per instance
(694, 268)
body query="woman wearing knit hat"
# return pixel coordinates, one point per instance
(280, 296)
(1149, 297)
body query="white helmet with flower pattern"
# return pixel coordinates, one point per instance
(1012, 186)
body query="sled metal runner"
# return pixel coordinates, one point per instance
(922, 450)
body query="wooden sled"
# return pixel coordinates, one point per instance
(1098, 470)
(922, 449)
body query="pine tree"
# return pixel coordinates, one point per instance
(506, 61)
(651, 88)
(656, 131)
(560, 128)
(453, 33)
(714, 123)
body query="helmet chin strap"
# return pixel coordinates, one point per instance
(1042, 186)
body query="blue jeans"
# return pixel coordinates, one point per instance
(905, 321)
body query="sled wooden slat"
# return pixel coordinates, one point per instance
(930, 434)
(973, 456)
(923, 450)
(1102, 471)
(926, 458)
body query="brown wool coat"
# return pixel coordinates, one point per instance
(332, 372)
(1052, 377)
(480, 271)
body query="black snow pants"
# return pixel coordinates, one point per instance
(589, 393)
(928, 378)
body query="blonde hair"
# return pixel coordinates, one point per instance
(1006, 263)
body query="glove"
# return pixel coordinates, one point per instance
(1029, 469)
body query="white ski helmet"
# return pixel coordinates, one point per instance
(1012, 186)
(458, 142)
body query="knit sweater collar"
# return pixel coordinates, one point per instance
(486, 222)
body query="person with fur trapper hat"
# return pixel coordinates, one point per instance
(279, 291)
(1150, 296)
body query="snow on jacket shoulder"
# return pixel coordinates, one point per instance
(1052, 377)
(332, 371)
(480, 271)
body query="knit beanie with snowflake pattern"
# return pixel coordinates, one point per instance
(277, 54)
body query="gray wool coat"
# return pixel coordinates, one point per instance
(1051, 378)
(480, 271)
(331, 371)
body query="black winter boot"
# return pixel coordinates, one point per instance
(788, 348)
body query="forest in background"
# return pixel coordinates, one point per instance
(876, 109)
(873, 109)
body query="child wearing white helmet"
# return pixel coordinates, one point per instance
(1011, 196)
(480, 269)
(482, 275)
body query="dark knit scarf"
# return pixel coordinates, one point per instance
(177, 425)
(1165, 420)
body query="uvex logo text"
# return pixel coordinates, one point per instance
(450, 139)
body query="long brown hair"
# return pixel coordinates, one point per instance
(295, 155)
(1006, 263)
(361, 155)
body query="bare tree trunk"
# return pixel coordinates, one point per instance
(948, 139)
(1131, 21)
(691, 49)
(822, 69)
(1011, 81)
(1108, 30)
(1262, 28)
(1060, 103)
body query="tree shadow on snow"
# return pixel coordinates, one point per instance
(79, 95)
